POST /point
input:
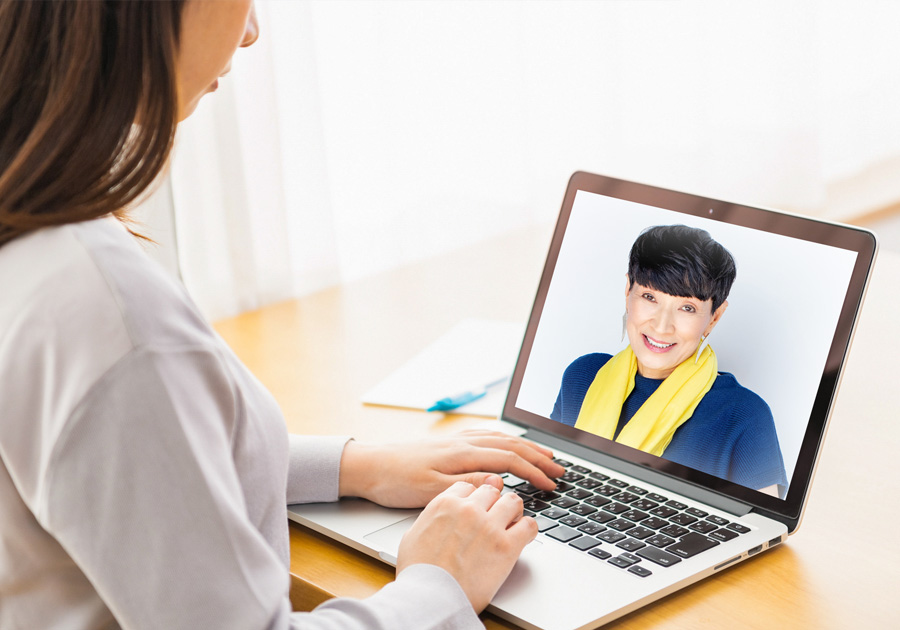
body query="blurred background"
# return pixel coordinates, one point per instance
(358, 136)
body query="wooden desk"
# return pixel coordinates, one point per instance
(320, 354)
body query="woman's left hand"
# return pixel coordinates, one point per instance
(410, 474)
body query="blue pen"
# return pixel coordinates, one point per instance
(454, 402)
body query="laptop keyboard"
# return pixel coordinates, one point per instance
(625, 525)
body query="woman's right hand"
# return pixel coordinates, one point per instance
(474, 534)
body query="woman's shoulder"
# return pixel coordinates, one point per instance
(744, 403)
(587, 365)
(86, 294)
(154, 306)
(54, 290)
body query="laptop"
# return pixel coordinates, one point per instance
(626, 526)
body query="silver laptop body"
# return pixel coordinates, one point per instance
(584, 576)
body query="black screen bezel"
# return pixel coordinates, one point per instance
(846, 237)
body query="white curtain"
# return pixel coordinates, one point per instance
(357, 136)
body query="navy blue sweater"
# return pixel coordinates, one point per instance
(730, 435)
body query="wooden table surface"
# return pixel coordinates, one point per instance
(320, 354)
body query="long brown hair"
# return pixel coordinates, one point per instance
(88, 107)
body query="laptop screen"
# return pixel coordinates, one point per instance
(697, 337)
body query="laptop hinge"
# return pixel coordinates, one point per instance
(726, 504)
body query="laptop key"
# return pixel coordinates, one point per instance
(562, 486)
(601, 517)
(640, 532)
(581, 469)
(579, 493)
(592, 528)
(564, 502)
(704, 527)
(654, 523)
(626, 497)
(660, 540)
(583, 510)
(618, 483)
(723, 534)
(546, 495)
(607, 491)
(619, 562)
(691, 545)
(718, 520)
(535, 506)
(590, 484)
(676, 505)
(611, 536)
(527, 513)
(597, 552)
(511, 481)
(597, 501)
(635, 515)
(563, 533)
(675, 531)
(572, 477)
(544, 523)
(683, 519)
(664, 511)
(636, 490)
(573, 521)
(620, 524)
(599, 476)
(554, 513)
(584, 543)
(656, 497)
(740, 529)
(644, 504)
(562, 462)
(527, 488)
(696, 512)
(660, 557)
(640, 571)
(615, 508)
(630, 544)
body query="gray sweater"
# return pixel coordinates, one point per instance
(144, 471)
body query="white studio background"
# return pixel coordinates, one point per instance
(774, 337)
(358, 136)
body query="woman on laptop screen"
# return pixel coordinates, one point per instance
(663, 394)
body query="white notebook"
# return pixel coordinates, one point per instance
(471, 354)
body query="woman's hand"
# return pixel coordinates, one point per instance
(474, 534)
(410, 474)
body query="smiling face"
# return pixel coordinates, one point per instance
(664, 330)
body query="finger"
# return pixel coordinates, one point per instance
(459, 489)
(485, 497)
(519, 460)
(543, 450)
(523, 531)
(497, 460)
(524, 449)
(480, 478)
(507, 509)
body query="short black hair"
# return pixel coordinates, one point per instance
(683, 261)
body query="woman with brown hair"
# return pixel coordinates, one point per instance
(144, 472)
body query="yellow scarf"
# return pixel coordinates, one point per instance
(652, 427)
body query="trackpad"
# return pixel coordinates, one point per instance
(387, 539)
